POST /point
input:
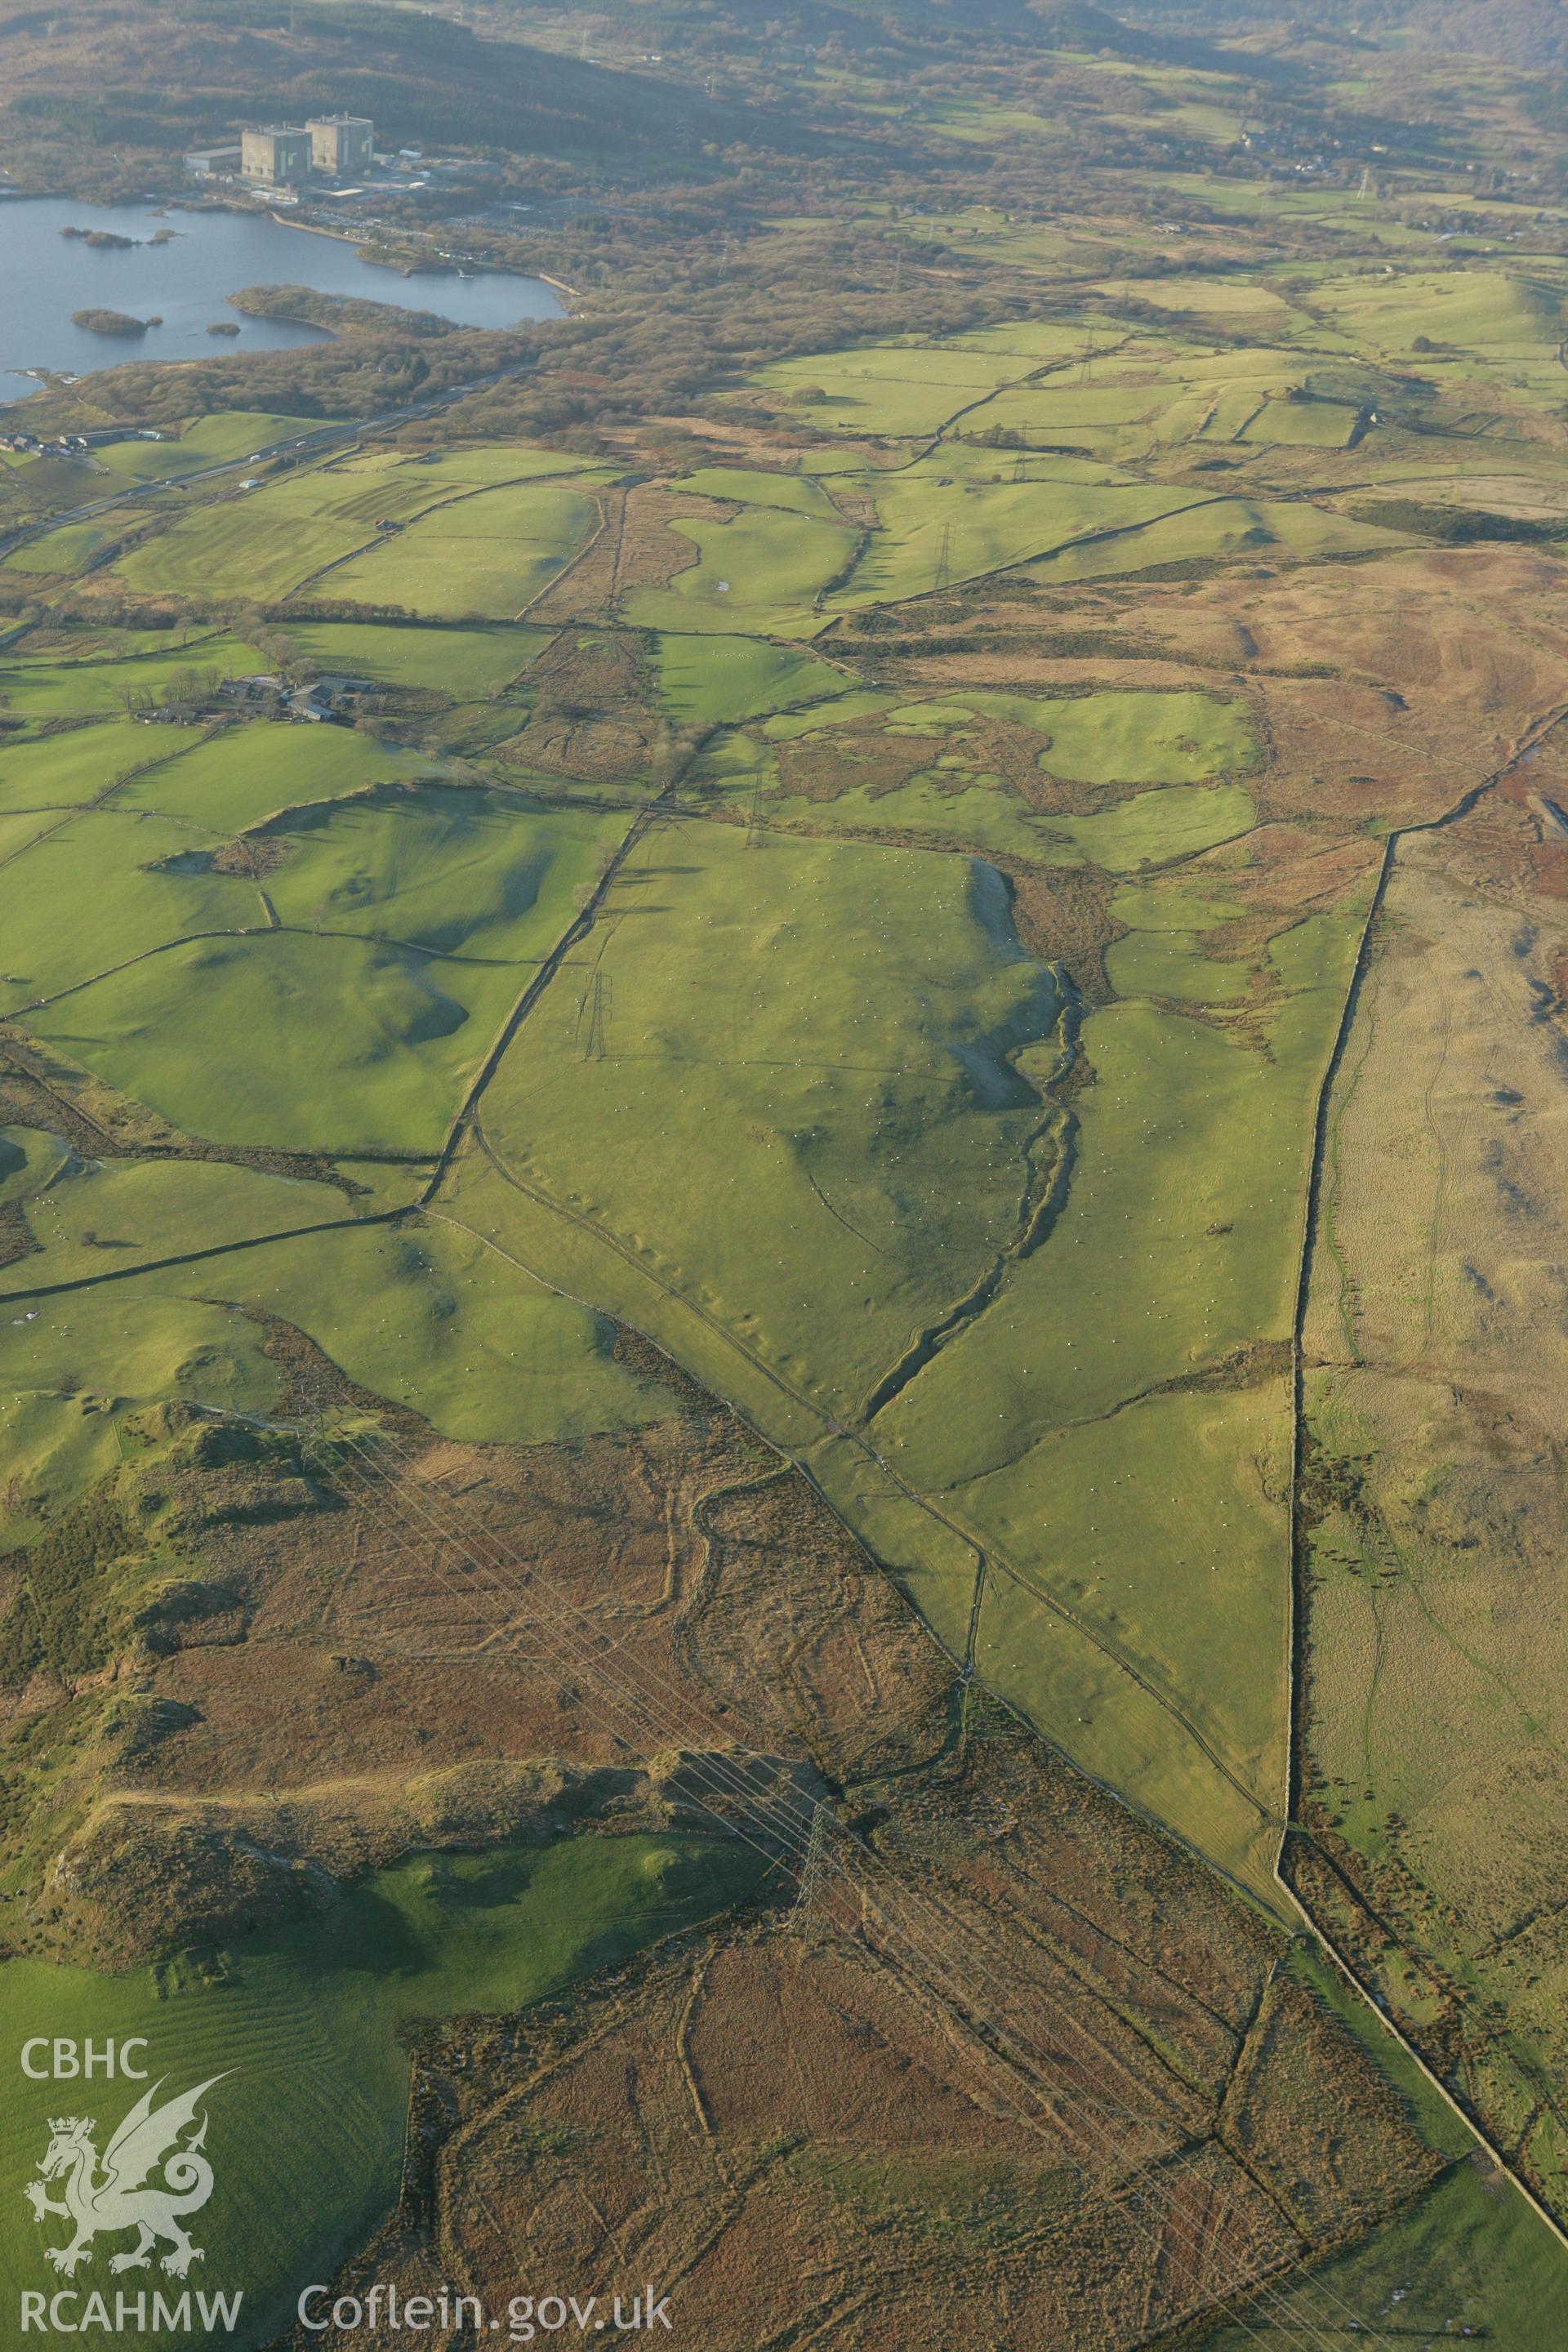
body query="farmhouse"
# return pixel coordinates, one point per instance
(330, 698)
(268, 695)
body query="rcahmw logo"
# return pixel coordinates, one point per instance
(152, 2178)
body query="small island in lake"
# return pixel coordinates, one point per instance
(112, 323)
(110, 241)
(338, 314)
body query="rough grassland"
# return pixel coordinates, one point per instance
(983, 812)
(1102, 738)
(429, 1317)
(72, 1365)
(935, 808)
(1470, 2255)
(1436, 1734)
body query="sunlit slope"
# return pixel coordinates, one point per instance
(784, 1112)
(983, 772)
(781, 1080)
(190, 971)
(428, 1315)
(266, 540)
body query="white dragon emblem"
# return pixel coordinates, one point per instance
(117, 2198)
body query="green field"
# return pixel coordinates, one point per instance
(762, 573)
(297, 2028)
(427, 1315)
(246, 773)
(97, 1216)
(484, 877)
(1157, 827)
(1174, 1255)
(95, 689)
(419, 923)
(265, 541)
(216, 1038)
(1481, 313)
(1181, 737)
(453, 661)
(794, 493)
(490, 555)
(895, 389)
(97, 893)
(931, 531)
(69, 770)
(1302, 423)
(1213, 532)
(1231, 302)
(204, 441)
(849, 1088)
(65, 550)
(710, 681)
(451, 872)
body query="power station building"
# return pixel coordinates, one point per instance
(341, 144)
(277, 155)
(333, 146)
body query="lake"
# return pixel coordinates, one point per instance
(43, 277)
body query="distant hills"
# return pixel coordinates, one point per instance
(1533, 33)
(208, 64)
